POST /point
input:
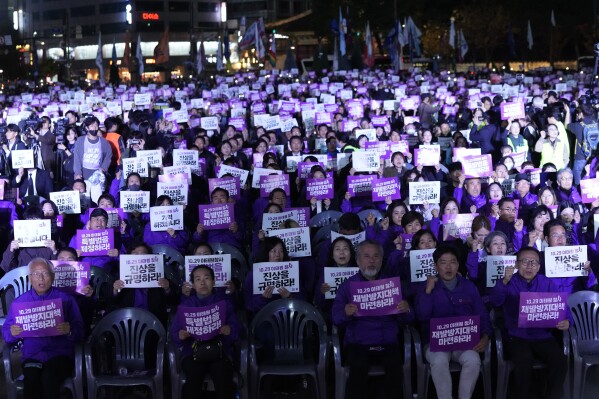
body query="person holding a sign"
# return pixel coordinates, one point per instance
(369, 339)
(13, 142)
(33, 181)
(509, 225)
(450, 295)
(177, 239)
(473, 199)
(232, 235)
(48, 350)
(494, 244)
(389, 228)
(226, 331)
(512, 138)
(524, 344)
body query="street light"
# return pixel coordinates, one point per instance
(223, 12)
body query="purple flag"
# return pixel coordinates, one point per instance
(215, 217)
(541, 309)
(94, 242)
(454, 333)
(376, 297)
(39, 318)
(205, 322)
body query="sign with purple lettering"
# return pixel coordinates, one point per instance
(360, 186)
(272, 221)
(141, 271)
(477, 165)
(303, 168)
(320, 188)
(220, 264)
(231, 184)
(400, 146)
(589, 190)
(323, 118)
(385, 187)
(496, 268)
(458, 226)
(39, 318)
(512, 111)
(94, 242)
(427, 155)
(454, 333)
(270, 182)
(566, 261)
(71, 276)
(335, 276)
(215, 217)
(541, 309)
(275, 274)
(376, 297)
(204, 322)
(382, 120)
(297, 240)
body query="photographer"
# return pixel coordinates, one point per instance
(46, 140)
(134, 144)
(65, 145)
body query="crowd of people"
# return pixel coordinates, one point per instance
(535, 136)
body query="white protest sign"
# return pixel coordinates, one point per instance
(132, 201)
(235, 172)
(32, 233)
(68, 202)
(276, 274)
(136, 165)
(186, 158)
(425, 191)
(354, 238)
(166, 217)
(496, 267)
(262, 172)
(335, 276)
(297, 240)
(567, 261)
(422, 264)
(154, 157)
(209, 123)
(366, 161)
(141, 271)
(177, 191)
(22, 159)
(142, 99)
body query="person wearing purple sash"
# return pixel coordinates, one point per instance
(472, 200)
(508, 224)
(369, 339)
(47, 360)
(523, 345)
(220, 370)
(449, 295)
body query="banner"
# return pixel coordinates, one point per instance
(132, 201)
(422, 264)
(177, 191)
(242, 174)
(458, 226)
(385, 187)
(220, 264)
(171, 174)
(335, 276)
(376, 297)
(32, 233)
(496, 268)
(424, 191)
(203, 323)
(457, 333)
(512, 111)
(276, 274)
(355, 239)
(94, 242)
(39, 318)
(297, 240)
(320, 188)
(541, 309)
(567, 261)
(71, 276)
(67, 202)
(215, 217)
(166, 217)
(141, 271)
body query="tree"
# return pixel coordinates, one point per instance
(484, 24)
(435, 40)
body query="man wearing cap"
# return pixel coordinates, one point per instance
(47, 360)
(528, 200)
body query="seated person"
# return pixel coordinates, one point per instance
(49, 360)
(177, 239)
(232, 236)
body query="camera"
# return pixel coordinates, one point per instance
(134, 141)
(60, 127)
(33, 122)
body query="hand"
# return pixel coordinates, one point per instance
(482, 344)
(117, 286)
(595, 204)
(268, 292)
(495, 210)
(388, 200)
(5, 148)
(313, 201)
(61, 147)
(430, 283)
(324, 288)
(576, 216)
(350, 309)
(123, 226)
(494, 176)
(64, 328)
(327, 203)
(403, 307)
(171, 232)
(183, 335)
(533, 236)
(78, 253)
(230, 287)
(165, 284)
(186, 288)
(519, 225)
(14, 245)
(509, 273)
(21, 172)
(233, 227)
(352, 172)
(587, 266)
(88, 291)
(398, 243)
(200, 229)
(435, 213)
(425, 205)
(385, 223)
(261, 235)
(15, 330)
(50, 244)
(113, 253)
(563, 325)
(225, 330)
(462, 179)
(347, 196)
(587, 168)
(118, 174)
(473, 209)
(371, 219)
(284, 292)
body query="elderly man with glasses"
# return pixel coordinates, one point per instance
(48, 357)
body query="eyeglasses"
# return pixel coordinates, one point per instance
(38, 275)
(510, 210)
(529, 262)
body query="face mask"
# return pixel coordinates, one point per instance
(93, 132)
(210, 133)
(411, 131)
(134, 187)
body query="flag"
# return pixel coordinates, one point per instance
(553, 19)
(242, 25)
(161, 54)
(272, 52)
(201, 59)
(369, 51)
(463, 44)
(413, 36)
(99, 59)
(529, 36)
(249, 38)
(139, 56)
(219, 56)
(113, 52)
(261, 36)
(341, 34)
(227, 47)
(452, 34)
(126, 62)
(401, 35)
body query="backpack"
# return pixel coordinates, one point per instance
(590, 138)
